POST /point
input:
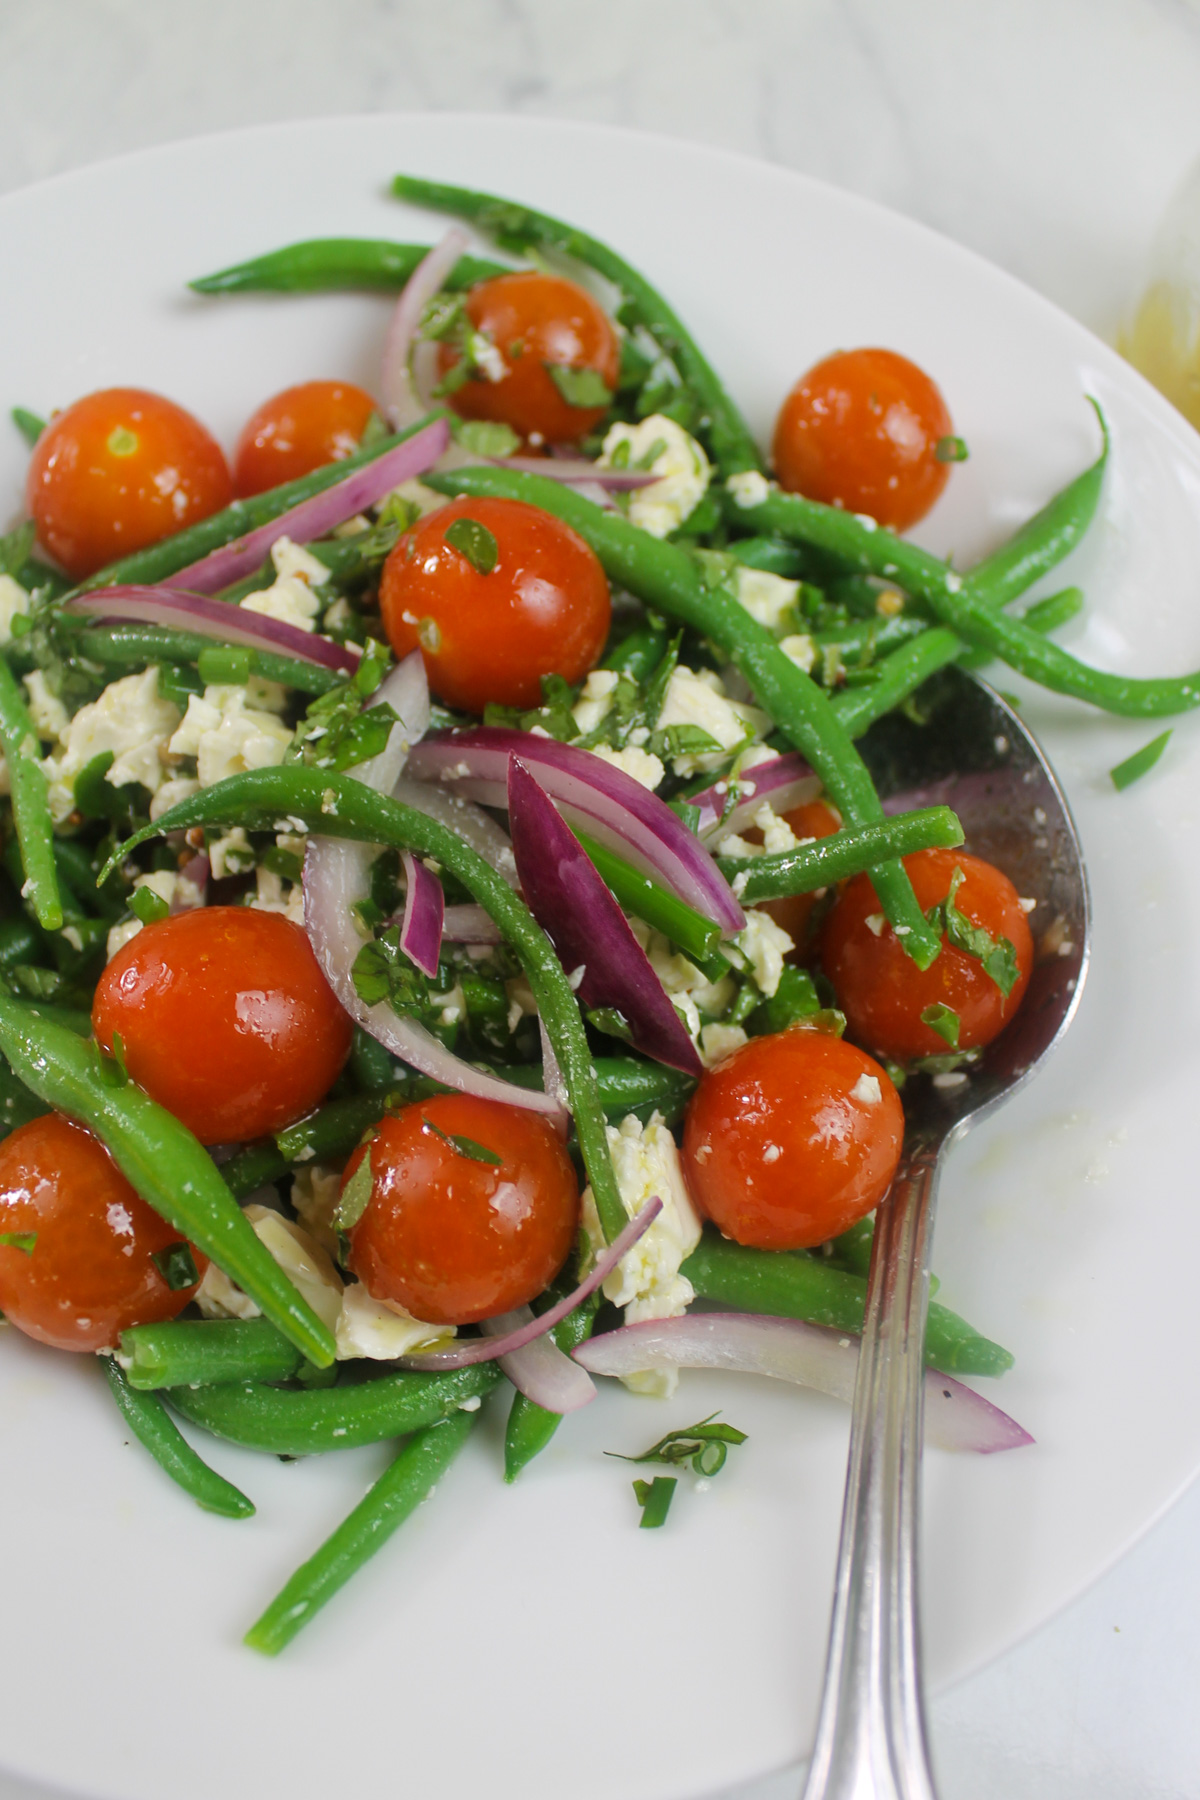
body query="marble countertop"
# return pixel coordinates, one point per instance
(1046, 134)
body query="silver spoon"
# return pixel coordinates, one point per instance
(972, 753)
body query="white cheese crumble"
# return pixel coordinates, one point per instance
(867, 1091)
(718, 1041)
(801, 650)
(316, 1190)
(697, 697)
(875, 923)
(294, 562)
(764, 944)
(681, 468)
(231, 853)
(300, 1257)
(289, 600)
(382, 1330)
(227, 735)
(688, 988)
(275, 895)
(642, 765)
(132, 721)
(771, 599)
(13, 600)
(172, 791)
(748, 488)
(647, 1282)
(49, 715)
(595, 699)
(178, 894)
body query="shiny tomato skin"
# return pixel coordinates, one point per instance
(815, 819)
(117, 471)
(225, 1019)
(779, 1149)
(534, 319)
(297, 431)
(90, 1274)
(861, 431)
(453, 1239)
(544, 609)
(881, 990)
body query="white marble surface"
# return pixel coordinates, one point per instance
(1046, 134)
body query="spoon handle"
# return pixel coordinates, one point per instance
(871, 1740)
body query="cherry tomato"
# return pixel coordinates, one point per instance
(543, 609)
(89, 1274)
(881, 990)
(225, 1019)
(298, 430)
(531, 320)
(452, 1235)
(791, 1139)
(862, 430)
(815, 819)
(121, 469)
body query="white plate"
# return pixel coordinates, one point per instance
(529, 1641)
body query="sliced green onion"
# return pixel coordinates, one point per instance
(945, 1021)
(1140, 763)
(654, 1498)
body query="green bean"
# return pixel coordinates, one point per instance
(410, 1479)
(858, 643)
(852, 1249)
(638, 654)
(77, 874)
(28, 424)
(162, 1160)
(19, 942)
(195, 1352)
(327, 1135)
(797, 1286)
(133, 646)
(31, 810)
(666, 578)
(694, 934)
(170, 554)
(340, 806)
(309, 1421)
(530, 1427)
(896, 677)
(1054, 610)
(370, 1063)
(321, 265)
(626, 1085)
(848, 852)
(517, 228)
(1043, 541)
(776, 555)
(257, 1166)
(152, 1425)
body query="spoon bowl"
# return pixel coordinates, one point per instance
(963, 746)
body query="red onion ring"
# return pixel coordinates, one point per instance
(213, 619)
(956, 1418)
(314, 518)
(401, 402)
(476, 1350)
(469, 925)
(577, 469)
(591, 793)
(424, 906)
(543, 1373)
(787, 781)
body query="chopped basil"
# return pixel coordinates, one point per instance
(945, 1021)
(579, 387)
(704, 1445)
(148, 906)
(382, 971)
(475, 542)
(997, 955)
(951, 449)
(465, 1146)
(19, 1240)
(360, 739)
(17, 547)
(682, 740)
(355, 1195)
(684, 810)
(608, 1020)
(1139, 763)
(177, 1266)
(654, 1498)
(486, 437)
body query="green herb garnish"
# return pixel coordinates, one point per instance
(148, 906)
(475, 542)
(19, 1240)
(945, 1021)
(465, 1146)
(997, 955)
(704, 1445)
(654, 1498)
(177, 1266)
(1139, 763)
(579, 387)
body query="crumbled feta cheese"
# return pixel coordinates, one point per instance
(768, 598)
(294, 561)
(698, 698)
(482, 352)
(778, 835)
(381, 1329)
(521, 1003)
(801, 650)
(120, 935)
(315, 1194)
(425, 499)
(748, 488)
(643, 765)
(867, 1091)
(595, 699)
(875, 923)
(275, 895)
(718, 1041)
(688, 988)
(647, 1282)
(47, 711)
(289, 600)
(231, 854)
(179, 787)
(170, 887)
(129, 719)
(228, 736)
(13, 600)
(764, 944)
(681, 467)
(298, 1255)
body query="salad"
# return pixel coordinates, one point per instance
(270, 943)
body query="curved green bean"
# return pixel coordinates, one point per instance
(848, 852)
(666, 912)
(195, 1352)
(318, 265)
(668, 579)
(517, 228)
(133, 646)
(340, 806)
(897, 675)
(1043, 541)
(308, 1421)
(153, 1426)
(31, 810)
(162, 1160)
(401, 1488)
(797, 1286)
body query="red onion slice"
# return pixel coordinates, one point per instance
(956, 1418)
(475, 1350)
(317, 517)
(424, 905)
(787, 781)
(590, 933)
(465, 820)
(401, 402)
(592, 794)
(469, 925)
(578, 469)
(543, 1373)
(213, 619)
